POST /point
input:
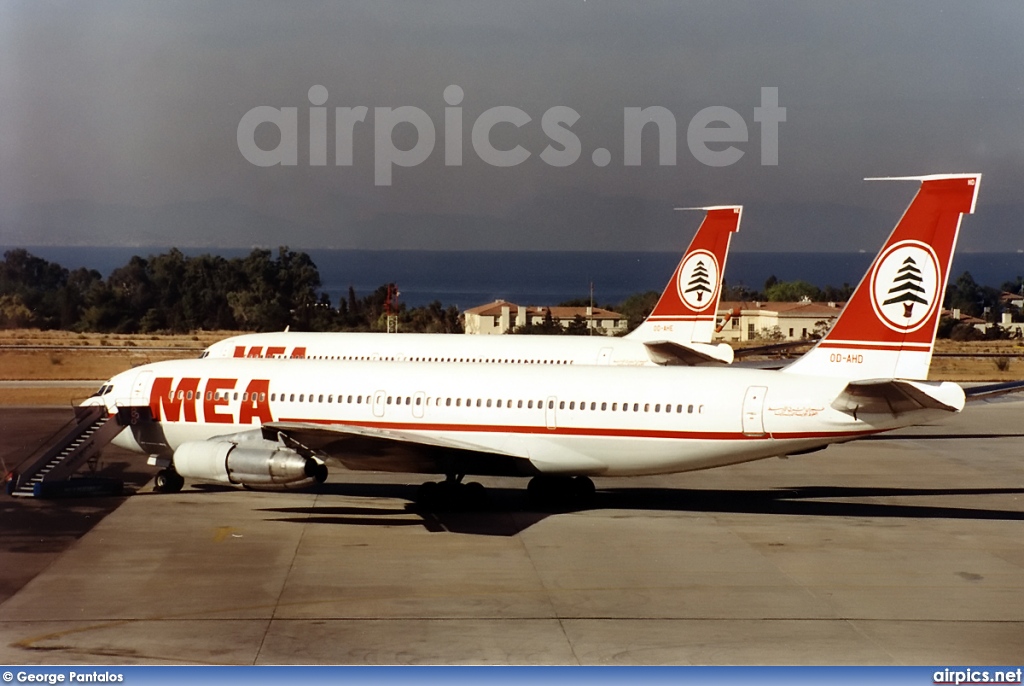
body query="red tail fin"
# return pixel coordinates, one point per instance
(686, 310)
(887, 329)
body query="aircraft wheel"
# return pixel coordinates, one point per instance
(559, 493)
(169, 481)
(583, 491)
(427, 495)
(475, 496)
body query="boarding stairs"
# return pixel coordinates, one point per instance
(49, 474)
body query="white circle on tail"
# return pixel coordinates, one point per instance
(905, 285)
(699, 280)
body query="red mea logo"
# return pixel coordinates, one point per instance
(272, 351)
(181, 403)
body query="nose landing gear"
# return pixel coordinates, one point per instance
(168, 481)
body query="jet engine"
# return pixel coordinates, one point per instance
(258, 464)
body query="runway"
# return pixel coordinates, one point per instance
(902, 551)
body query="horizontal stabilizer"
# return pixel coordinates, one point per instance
(897, 397)
(994, 392)
(672, 353)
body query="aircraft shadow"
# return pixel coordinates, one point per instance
(510, 513)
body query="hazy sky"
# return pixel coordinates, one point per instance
(119, 120)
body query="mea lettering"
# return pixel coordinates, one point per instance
(299, 352)
(180, 403)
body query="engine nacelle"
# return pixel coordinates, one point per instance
(259, 464)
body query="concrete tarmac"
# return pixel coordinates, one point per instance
(903, 551)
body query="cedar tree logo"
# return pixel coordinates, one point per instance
(699, 280)
(905, 286)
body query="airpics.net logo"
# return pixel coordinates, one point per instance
(713, 135)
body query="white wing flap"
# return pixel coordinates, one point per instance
(896, 397)
(693, 355)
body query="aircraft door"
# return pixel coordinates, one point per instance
(140, 390)
(379, 399)
(418, 402)
(604, 356)
(753, 407)
(550, 406)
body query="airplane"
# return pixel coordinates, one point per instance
(678, 330)
(275, 423)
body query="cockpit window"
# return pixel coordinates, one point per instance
(103, 390)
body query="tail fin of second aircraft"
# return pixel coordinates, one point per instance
(887, 329)
(686, 311)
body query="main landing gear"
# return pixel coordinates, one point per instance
(452, 495)
(560, 492)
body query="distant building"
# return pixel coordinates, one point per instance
(500, 316)
(782, 321)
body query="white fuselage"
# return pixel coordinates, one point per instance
(425, 347)
(562, 419)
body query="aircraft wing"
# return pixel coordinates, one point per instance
(772, 348)
(994, 392)
(680, 354)
(896, 397)
(370, 448)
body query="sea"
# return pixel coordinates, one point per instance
(469, 278)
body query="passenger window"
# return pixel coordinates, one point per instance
(408, 400)
(604, 406)
(593, 406)
(448, 402)
(209, 395)
(291, 398)
(418, 400)
(263, 397)
(302, 397)
(499, 402)
(478, 402)
(615, 406)
(330, 398)
(488, 402)
(458, 402)
(529, 405)
(520, 405)
(321, 398)
(636, 407)
(679, 408)
(236, 395)
(561, 404)
(389, 400)
(572, 405)
(689, 409)
(551, 404)
(657, 408)
(647, 407)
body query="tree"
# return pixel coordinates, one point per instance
(636, 308)
(791, 291)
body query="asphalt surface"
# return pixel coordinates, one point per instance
(903, 551)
